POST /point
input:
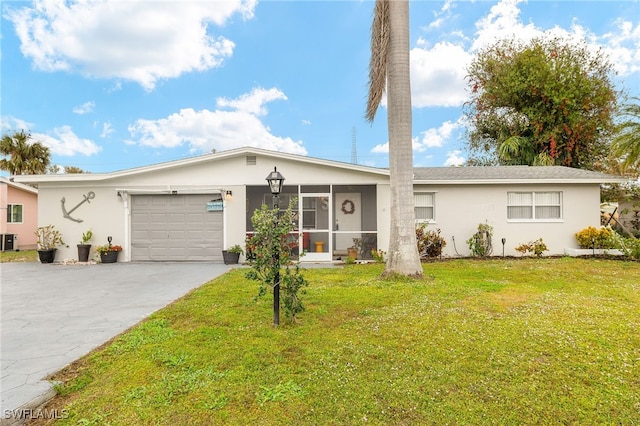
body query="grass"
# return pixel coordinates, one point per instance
(19, 256)
(494, 342)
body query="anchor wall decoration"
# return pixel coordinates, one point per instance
(67, 214)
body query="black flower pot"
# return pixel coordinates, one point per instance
(109, 257)
(230, 258)
(83, 252)
(47, 256)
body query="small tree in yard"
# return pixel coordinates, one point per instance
(272, 236)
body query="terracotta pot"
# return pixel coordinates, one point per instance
(352, 253)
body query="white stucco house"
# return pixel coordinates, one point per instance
(191, 209)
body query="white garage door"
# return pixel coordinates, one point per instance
(175, 227)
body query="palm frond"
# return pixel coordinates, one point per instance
(378, 62)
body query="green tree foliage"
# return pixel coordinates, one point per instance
(55, 169)
(542, 103)
(24, 156)
(626, 144)
(272, 234)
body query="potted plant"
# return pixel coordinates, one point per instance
(83, 247)
(232, 254)
(353, 251)
(49, 238)
(108, 252)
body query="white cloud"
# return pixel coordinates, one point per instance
(442, 15)
(435, 138)
(438, 70)
(252, 103)
(84, 108)
(623, 47)
(128, 40)
(221, 130)
(502, 22)
(67, 143)
(13, 124)
(382, 148)
(107, 129)
(431, 138)
(438, 75)
(454, 158)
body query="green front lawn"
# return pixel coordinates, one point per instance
(19, 256)
(526, 341)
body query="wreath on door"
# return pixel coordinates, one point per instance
(348, 207)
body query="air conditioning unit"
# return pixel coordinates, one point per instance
(8, 242)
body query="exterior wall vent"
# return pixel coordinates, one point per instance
(251, 160)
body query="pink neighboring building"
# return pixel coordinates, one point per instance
(18, 215)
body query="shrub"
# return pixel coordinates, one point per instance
(48, 237)
(235, 249)
(480, 242)
(628, 246)
(378, 255)
(430, 243)
(591, 237)
(536, 247)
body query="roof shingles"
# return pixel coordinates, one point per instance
(509, 173)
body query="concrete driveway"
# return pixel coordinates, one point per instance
(52, 314)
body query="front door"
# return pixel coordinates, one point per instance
(314, 222)
(348, 221)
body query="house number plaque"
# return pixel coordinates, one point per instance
(67, 214)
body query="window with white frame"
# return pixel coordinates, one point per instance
(424, 206)
(534, 205)
(14, 213)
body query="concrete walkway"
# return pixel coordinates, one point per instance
(54, 314)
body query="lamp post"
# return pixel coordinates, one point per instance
(275, 180)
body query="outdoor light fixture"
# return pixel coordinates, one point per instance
(228, 194)
(504, 241)
(275, 180)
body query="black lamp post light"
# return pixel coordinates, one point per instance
(275, 180)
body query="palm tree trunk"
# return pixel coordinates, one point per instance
(403, 257)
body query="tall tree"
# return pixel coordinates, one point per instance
(25, 157)
(626, 144)
(545, 102)
(390, 63)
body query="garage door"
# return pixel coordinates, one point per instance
(175, 227)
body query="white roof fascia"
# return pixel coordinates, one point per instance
(244, 151)
(196, 160)
(172, 189)
(74, 177)
(18, 185)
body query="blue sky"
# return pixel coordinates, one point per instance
(110, 85)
